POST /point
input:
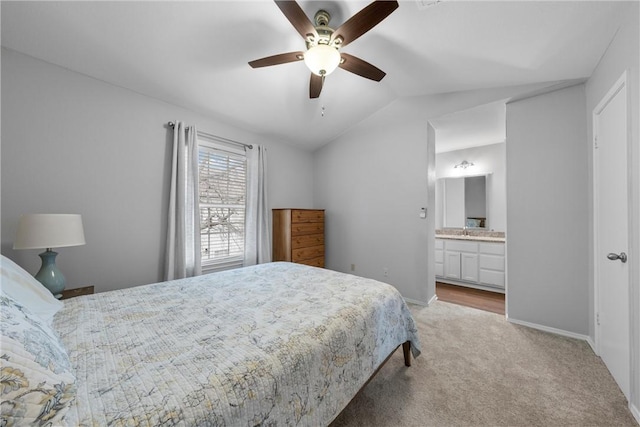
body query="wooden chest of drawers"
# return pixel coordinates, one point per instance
(298, 236)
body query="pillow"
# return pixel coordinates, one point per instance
(37, 385)
(27, 291)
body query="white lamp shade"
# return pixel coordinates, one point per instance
(40, 231)
(322, 60)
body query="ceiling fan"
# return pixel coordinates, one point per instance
(323, 53)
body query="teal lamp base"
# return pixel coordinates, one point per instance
(49, 275)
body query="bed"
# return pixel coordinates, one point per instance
(273, 344)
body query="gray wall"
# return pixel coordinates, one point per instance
(547, 210)
(374, 179)
(372, 184)
(73, 144)
(622, 54)
(487, 159)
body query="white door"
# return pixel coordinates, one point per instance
(611, 233)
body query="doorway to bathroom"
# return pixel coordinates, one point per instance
(470, 206)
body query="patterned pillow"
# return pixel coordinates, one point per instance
(37, 385)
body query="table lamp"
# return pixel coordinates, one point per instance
(47, 231)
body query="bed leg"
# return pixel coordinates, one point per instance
(406, 349)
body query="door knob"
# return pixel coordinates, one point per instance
(622, 257)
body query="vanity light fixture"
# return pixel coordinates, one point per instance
(463, 165)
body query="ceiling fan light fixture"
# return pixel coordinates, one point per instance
(322, 60)
(324, 43)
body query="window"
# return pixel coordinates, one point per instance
(222, 188)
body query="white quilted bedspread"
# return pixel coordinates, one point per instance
(273, 344)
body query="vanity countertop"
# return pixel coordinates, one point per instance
(473, 235)
(471, 238)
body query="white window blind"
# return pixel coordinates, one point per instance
(222, 188)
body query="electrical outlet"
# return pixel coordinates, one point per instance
(353, 267)
(385, 271)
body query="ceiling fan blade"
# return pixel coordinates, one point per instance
(281, 58)
(364, 20)
(297, 17)
(315, 86)
(360, 67)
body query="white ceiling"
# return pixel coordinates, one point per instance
(195, 54)
(477, 126)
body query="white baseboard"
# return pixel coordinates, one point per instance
(422, 303)
(635, 412)
(415, 301)
(433, 299)
(550, 329)
(592, 344)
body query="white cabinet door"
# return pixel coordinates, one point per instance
(439, 270)
(439, 261)
(452, 264)
(469, 266)
(492, 265)
(492, 278)
(477, 263)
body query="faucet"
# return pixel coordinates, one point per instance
(465, 232)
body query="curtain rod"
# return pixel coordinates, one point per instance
(227, 140)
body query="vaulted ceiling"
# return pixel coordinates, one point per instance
(195, 54)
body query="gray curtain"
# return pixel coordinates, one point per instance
(257, 242)
(183, 256)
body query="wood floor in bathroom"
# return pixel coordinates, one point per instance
(470, 297)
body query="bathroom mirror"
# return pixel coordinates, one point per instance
(465, 202)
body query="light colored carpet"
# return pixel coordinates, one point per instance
(477, 369)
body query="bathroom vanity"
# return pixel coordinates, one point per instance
(476, 260)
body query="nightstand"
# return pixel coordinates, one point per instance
(70, 293)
